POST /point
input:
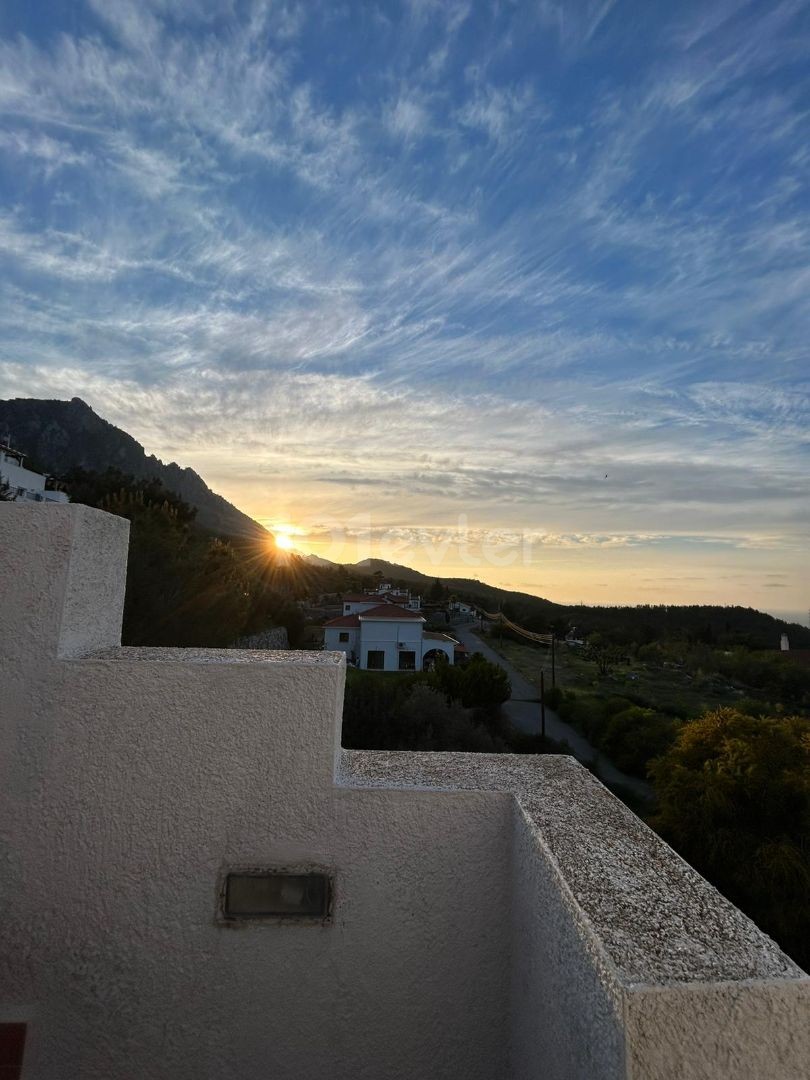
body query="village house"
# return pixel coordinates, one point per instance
(385, 637)
(25, 484)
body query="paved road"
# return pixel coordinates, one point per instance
(523, 709)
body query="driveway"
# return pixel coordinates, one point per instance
(523, 710)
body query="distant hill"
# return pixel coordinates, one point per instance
(708, 623)
(463, 586)
(60, 435)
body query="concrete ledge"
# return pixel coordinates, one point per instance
(213, 656)
(656, 920)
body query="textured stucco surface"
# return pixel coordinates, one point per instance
(656, 918)
(130, 779)
(494, 916)
(745, 1031)
(636, 967)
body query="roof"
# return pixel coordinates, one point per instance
(390, 611)
(434, 636)
(360, 598)
(343, 620)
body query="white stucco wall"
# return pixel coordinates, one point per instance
(625, 962)
(331, 639)
(446, 647)
(130, 778)
(31, 483)
(16, 475)
(392, 638)
(495, 916)
(352, 607)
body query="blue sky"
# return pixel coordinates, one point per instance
(419, 275)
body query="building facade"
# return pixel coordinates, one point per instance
(385, 637)
(25, 485)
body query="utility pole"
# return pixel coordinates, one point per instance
(542, 705)
(553, 667)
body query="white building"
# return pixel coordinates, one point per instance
(385, 637)
(408, 916)
(26, 485)
(392, 594)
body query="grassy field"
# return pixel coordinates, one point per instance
(667, 689)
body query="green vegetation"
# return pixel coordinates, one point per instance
(449, 708)
(630, 701)
(734, 800)
(185, 586)
(724, 737)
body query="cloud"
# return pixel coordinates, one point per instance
(499, 112)
(407, 118)
(423, 258)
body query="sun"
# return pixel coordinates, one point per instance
(284, 541)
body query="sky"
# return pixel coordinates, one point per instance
(514, 290)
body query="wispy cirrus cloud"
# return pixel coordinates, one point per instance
(441, 258)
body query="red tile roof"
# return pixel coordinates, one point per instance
(389, 611)
(360, 598)
(343, 620)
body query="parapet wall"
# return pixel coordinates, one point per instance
(493, 916)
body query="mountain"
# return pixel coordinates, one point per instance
(472, 587)
(707, 623)
(60, 435)
(316, 560)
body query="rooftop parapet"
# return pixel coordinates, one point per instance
(491, 915)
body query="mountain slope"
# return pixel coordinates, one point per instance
(59, 435)
(467, 586)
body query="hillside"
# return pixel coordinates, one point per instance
(706, 623)
(472, 587)
(61, 435)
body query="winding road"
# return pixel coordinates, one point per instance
(523, 710)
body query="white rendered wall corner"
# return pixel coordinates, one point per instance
(132, 779)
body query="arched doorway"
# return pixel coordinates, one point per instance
(434, 657)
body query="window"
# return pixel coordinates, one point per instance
(407, 661)
(274, 894)
(375, 660)
(343, 635)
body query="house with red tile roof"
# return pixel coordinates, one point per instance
(385, 637)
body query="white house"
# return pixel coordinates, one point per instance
(385, 637)
(26, 485)
(392, 594)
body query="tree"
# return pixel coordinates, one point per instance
(185, 587)
(603, 653)
(6, 493)
(734, 799)
(436, 593)
(480, 684)
(634, 735)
